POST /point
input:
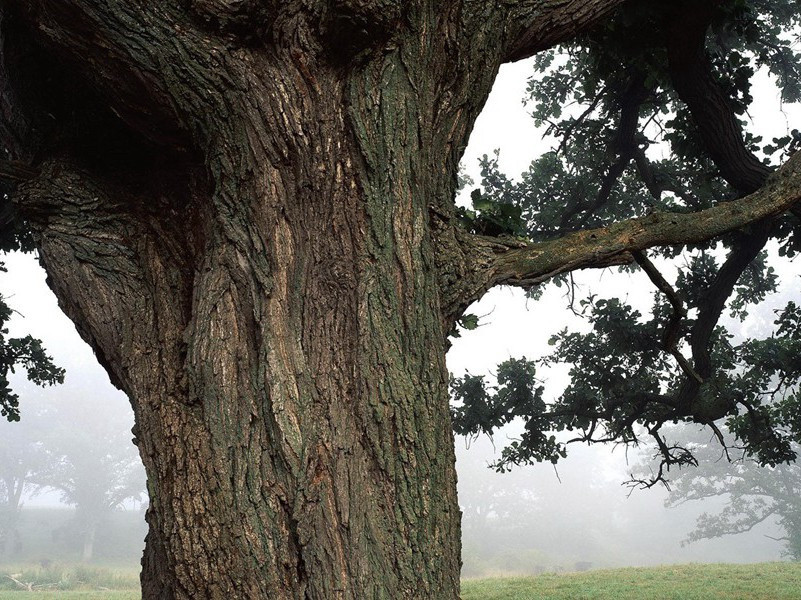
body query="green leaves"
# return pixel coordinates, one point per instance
(28, 353)
(482, 407)
(625, 145)
(491, 217)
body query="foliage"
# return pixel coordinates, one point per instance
(627, 140)
(26, 352)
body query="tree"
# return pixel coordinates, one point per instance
(653, 78)
(76, 448)
(247, 209)
(21, 457)
(95, 469)
(753, 495)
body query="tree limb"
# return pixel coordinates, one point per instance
(532, 263)
(114, 46)
(624, 145)
(672, 332)
(533, 25)
(713, 114)
(16, 171)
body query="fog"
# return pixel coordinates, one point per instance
(536, 518)
(580, 513)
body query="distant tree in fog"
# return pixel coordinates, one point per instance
(93, 465)
(753, 494)
(21, 457)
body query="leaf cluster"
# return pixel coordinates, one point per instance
(25, 352)
(624, 144)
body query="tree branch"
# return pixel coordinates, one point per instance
(713, 114)
(672, 332)
(530, 264)
(115, 46)
(624, 145)
(533, 25)
(16, 171)
(472, 264)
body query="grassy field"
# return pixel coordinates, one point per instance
(765, 581)
(96, 595)
(68, 582)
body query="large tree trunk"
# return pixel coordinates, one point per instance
(279, 334)
(288, 379)
(254, 240)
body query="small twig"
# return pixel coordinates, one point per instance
(721, 439)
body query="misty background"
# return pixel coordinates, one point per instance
(82, 489)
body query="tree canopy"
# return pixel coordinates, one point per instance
(648, 122)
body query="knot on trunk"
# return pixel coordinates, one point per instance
(353, 27)
(245, 19)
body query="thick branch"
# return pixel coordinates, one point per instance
(624, 145)
(533, 25)
(713, 114)
(12, 170)
(115, 47)
(528, 265)
(710, 309)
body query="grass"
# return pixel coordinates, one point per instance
(68, 581)
(97, 595)
(764, 581)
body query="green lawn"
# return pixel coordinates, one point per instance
(109, 595)
(766, 581)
